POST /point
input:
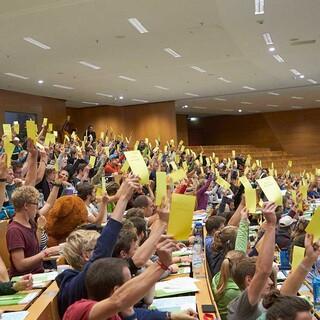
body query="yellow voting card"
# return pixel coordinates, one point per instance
(16, 127)
(185, 165)
(161, 190)
(173, 165)
(216, 160)
(7, 131)
(50, 138)
(271, 189)
(31, 130)
(125, 167)
(271, 172)
(103, 184)
(181, 214)
(317, 172)
(8, 147)
(251, 199)
(187, 152)
(99, 192)
(297, 257)
(245, 182)
(50, 127)
(137, 165)
(290, 163)
(55, 133)
(233, 154)
(92, 161)
(178, 175)
(45, 122)
(304, 192)
(294, 196)
(223, 183)
(313, 226)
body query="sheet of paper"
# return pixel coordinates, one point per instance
(8, 147)
(173, 165)
(92, 161)
(181, 214)
(45, 121)
(16, 127)
(271, 189)
(223, 183)
(251, 199)
(18, 315)
(233, 154)
(137, 165)
(103, 185)
(175, 286)
(31, 130)
(161, 190)
(304, 191)
(125, 167)
(297, 256)
(175, 304)
(245, 182)
(7, 131)
(178, 175)
(313, 226)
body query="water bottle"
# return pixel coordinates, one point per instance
(316, 293)
(284, 260)
(197, 251)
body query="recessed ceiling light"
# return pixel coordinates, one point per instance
(161, 87)
(224, 80)
(198, 69)
(301, 76)
(295, 72)
(259, 7)
(191, 94)
(185, 106)
(296, 107)
(104, 94)
(273, 105)
(90, 65)
(121, 97)
(297, 98)
(10, 74)
(274, 93)
(37, 43)
(172, 52)
(220, 99)
(92, 103)
(240, 110)
(138, 25)
(267, 38)
(272, 49)
(246, 102)
(248, 88)
(127, 78)
(140, 100)
(312, 81)
(62, 87)
(193, 119)
(40, 81)
(278, 58)
(199, 107)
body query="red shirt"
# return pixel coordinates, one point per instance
(111, 169)
(21, 237)
(80, 310)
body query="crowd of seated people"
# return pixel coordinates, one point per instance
(106, 225)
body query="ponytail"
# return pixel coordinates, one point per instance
(224, 276)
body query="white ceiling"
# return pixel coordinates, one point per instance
(222, 37)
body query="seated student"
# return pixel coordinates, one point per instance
(7, 287)
(283, 232)
(253, 277)
(115, 292)
(22, 242)
(112, 166)
(299, 232)
(146, 204)
(140, 226)
(213, 224)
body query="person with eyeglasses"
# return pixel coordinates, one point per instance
(22, 241)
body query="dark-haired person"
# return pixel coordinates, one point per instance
(213, 224)
(90, 134)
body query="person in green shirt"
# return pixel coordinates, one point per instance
(223, 287)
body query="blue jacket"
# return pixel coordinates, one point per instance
(72, 282)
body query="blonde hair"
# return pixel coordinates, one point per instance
(227, 268)
(225, 239)
(78, 243)
(23, 195)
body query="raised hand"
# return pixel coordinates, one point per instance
(128, 187)
(165, 247)
(268, 211)
(3, 166)
(164, 210)
(312, 248)
(244, 213)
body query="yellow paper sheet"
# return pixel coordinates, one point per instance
(177, 159)
(31, 130)
(271, 189)
(289, 163)
(223, 183)
(55, 133)
(50, 127)
(213, 155)
(233, 154)
(103, 185)
(317, 172)
(99, 192)
(246, 183)
(16, 127)
(185, 165)
(187, 152)
(181, 214)
(246, 171)
(45, 121)
(161, 190)
(313, 226)
(304, 191)
(50, 138)
(137, 165)
(125, 167)
(253, 167)
(173, 165)
(271, 172)
(297, 257)
(178, 175)
(251, 199)
(294, 196)
(216, 160)
(92, 161)
(8, 147)
(7, 131)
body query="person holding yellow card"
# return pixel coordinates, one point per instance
(271, 189)
(161, 190)
(137, 165)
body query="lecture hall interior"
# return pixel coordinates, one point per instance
(159, 159)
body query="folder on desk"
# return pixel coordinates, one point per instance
(175, 286)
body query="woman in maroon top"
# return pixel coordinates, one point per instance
(22, 242)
